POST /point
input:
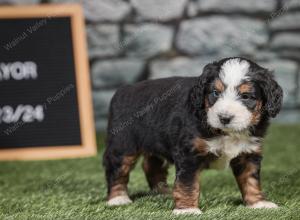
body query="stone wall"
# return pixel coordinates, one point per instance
(133, 40)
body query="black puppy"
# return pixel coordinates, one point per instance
(216, 120)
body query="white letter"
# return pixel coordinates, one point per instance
(30, 70)
(17, 70)
(5, 71)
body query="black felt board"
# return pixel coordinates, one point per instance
(44, 109)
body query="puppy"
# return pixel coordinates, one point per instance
(214, 121)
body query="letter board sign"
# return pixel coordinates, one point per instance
(45, 95)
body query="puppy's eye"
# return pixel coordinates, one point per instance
(246, 96)
(215, 93)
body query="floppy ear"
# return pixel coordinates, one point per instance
(272, 92)
(197, 95)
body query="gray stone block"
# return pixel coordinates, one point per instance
(286, 21)
(158, 10)
(180, 66)
(290, 4)
(288, 117)
(109, 73)
(106, 10)
(285, 73)
(103, 40)
(298, 88)
(101, 99)
(237, 5)
(222, 35)
(192, 8)
(265, 55)
(101, 124)
(67, 1)
(147, 40)
(286, 40)
(289, 54)
(102, 10)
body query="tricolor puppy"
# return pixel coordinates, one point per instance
(216, 120)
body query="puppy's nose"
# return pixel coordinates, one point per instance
(225, 119)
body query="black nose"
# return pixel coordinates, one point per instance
(225, 119)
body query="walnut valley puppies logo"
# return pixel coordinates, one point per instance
(25, 34)
(59, 95)
(28, 114)
(146, 109)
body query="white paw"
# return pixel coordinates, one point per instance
(263, 205)
(189, 211)
(119, 200)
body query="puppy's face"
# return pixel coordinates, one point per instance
(235, 98)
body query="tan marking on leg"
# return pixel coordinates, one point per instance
(186, 196)
(156, 171)
(119, 187)
(250, 186)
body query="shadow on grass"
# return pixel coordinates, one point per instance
(234, 201)
(142, 194)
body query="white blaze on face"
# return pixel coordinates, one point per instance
(232, 73)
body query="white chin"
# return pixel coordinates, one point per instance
(229, 128)
(233, 130)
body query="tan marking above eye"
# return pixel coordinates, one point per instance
(219, 85)
(245, 88)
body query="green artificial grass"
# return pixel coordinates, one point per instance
(75, 189)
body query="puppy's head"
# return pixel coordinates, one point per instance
(235, 93)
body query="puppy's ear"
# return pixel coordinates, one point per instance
(210, 71)
(272, 92)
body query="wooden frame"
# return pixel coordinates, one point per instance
(87, 127)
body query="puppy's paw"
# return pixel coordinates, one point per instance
(263, 205)
(119, 200)
(188, 211)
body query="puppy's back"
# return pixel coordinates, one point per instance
(147, 105)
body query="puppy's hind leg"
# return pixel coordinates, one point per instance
(117, 168)
(156, 172)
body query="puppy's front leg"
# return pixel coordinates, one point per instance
(246, 169)
(186, 187)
